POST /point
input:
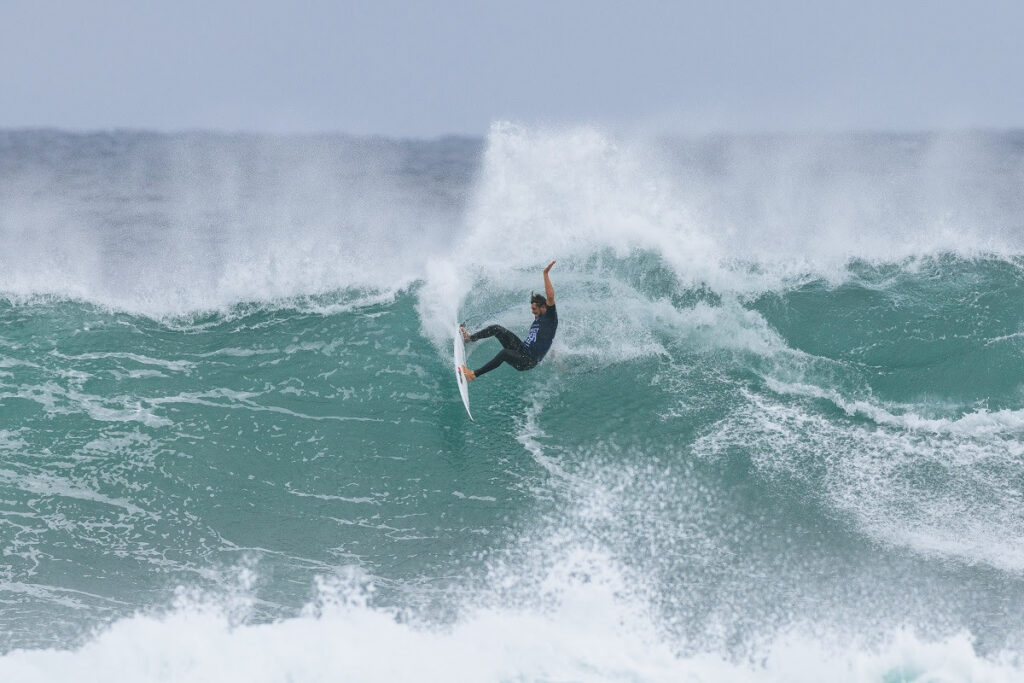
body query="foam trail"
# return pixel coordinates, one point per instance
(981, 423)
(946, 491)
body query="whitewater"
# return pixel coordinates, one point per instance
(779, 436)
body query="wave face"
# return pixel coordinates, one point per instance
(780, 435)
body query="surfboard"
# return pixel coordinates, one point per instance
(460, 360)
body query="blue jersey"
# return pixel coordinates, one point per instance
(541, 334)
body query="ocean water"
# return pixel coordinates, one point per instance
(780, 435)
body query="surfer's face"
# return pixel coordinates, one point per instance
(537, 309)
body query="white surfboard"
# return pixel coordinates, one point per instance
(460, 360)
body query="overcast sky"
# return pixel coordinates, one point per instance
(425, 69)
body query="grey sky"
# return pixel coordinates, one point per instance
(433, 68)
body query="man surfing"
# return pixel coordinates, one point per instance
(522, 355)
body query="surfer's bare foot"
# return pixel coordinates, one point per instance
(468, 374)
(465, 335)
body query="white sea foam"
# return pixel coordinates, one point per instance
(49, 485)
(978, 423)
(944, 487)
(179, 366)
(57, 400)
(587, 634)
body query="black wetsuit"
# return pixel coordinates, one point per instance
(517, 353)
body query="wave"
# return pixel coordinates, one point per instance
(776, 436)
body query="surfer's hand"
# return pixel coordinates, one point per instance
(549, 267)
(465, 335)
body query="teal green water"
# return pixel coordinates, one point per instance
(727, 453)
(159, 454)
(148, 454)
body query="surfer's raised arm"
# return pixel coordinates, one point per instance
(549, 291)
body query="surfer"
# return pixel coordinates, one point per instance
(522, 355)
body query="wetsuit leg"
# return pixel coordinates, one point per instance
(512, 352)
(520, 361)
(504, 337)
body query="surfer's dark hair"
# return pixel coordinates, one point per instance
(538, 299)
